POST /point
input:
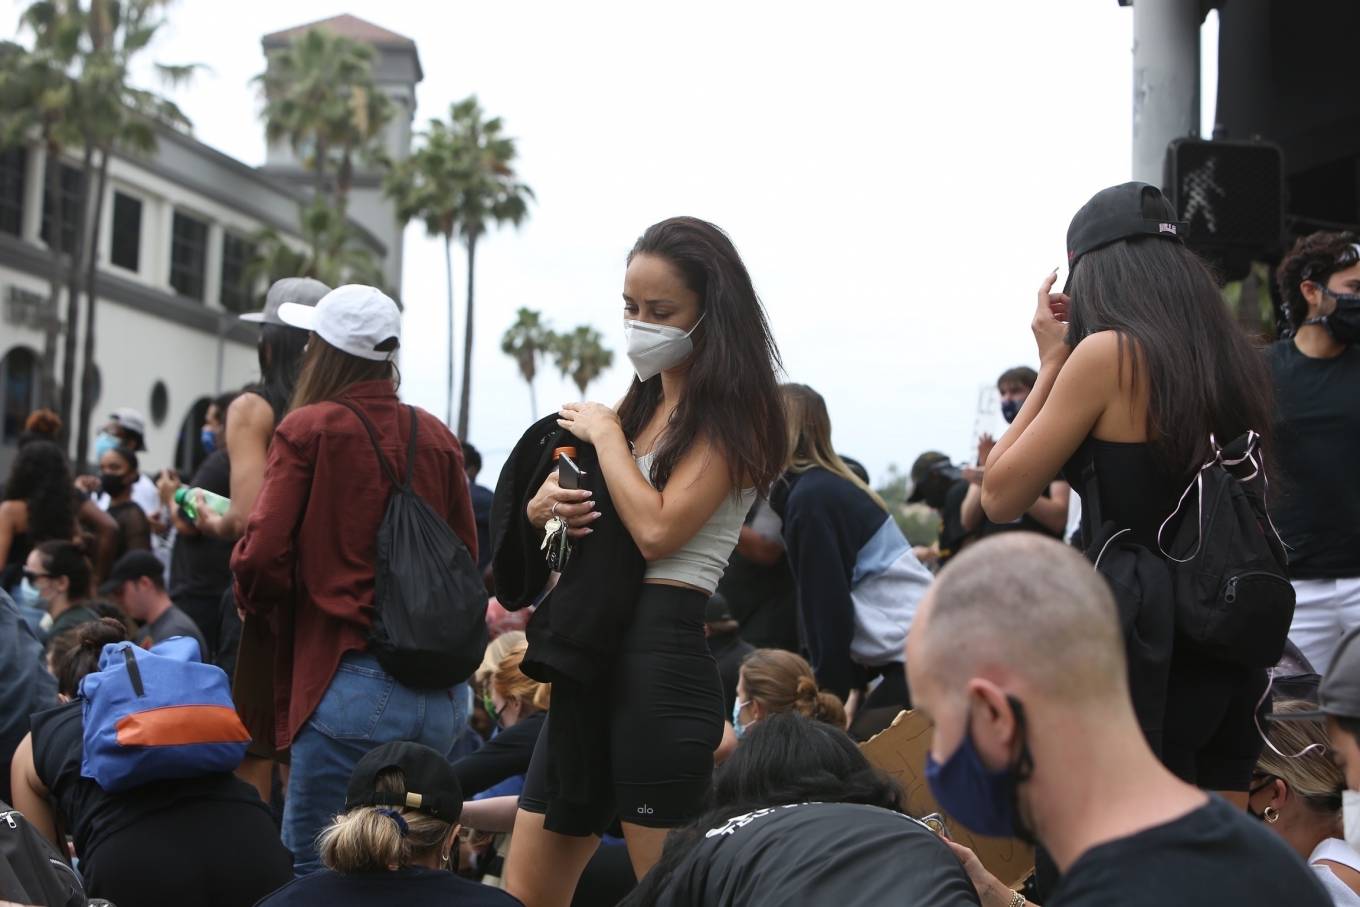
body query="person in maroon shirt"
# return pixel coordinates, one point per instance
(307, 557)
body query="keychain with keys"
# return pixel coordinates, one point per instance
(556, 545)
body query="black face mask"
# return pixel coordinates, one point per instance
(111, 484)
(1253, 791)
(1344, 322)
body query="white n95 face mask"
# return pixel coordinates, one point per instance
(653, 348)
(1350, 810)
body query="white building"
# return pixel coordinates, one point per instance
(174, 242)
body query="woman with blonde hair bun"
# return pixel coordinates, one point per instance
(1296, 791)
(397, 839)
(774, 681)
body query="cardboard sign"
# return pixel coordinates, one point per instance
(901, 752)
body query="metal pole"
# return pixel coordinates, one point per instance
(1165, 80)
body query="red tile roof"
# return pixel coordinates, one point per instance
(346, 26)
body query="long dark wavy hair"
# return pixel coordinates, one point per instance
(280, 354)
(1203, 373)
(731, 397)
(41, 478)
(784, 759)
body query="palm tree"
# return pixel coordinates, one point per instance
(425, 186)
(332, 253)
(112, 113)
(320, 97)
(581, 355)
(527, 339)
(36, 93)
(488, 196)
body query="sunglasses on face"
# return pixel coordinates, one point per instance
(32, 576)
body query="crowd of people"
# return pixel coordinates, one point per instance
(691, 609)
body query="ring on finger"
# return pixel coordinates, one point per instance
(553, 510)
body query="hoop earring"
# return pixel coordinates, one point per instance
(1270, 814)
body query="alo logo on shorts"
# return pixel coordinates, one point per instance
(645, 810)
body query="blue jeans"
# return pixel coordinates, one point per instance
(362, 709)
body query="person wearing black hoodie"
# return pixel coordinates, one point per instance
(698, 432)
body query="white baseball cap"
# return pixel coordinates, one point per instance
(356, 319)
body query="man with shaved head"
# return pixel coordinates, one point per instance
(1016, 655)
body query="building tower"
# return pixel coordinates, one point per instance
(396, 70)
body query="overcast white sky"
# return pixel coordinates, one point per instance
(898, 177)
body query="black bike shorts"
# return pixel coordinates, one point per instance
(665, 703)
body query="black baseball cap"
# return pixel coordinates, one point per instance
(920, 470)
(1121, 212)
(1339, 692)
(132, 566)
(431, 784)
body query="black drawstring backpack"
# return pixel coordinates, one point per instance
(1233, 597)
(429, 621)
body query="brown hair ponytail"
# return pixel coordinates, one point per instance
(783, 682)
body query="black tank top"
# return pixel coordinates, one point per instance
(1136, 492)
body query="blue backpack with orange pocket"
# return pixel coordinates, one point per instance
(158, 715)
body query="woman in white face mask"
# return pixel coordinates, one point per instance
(699, 432)
(1297, 792)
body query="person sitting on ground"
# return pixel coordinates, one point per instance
(1339, 704)
(117, 474)
(25, 687)
(205, 840)
(1296, 792)
(517, 705)
(126, 428)
(728, 648)
(773, 681)
(396, 841)
(858, 581)
(790, 821)
(1049, 748)
(137, 584)
(41, 506)
(60, 574)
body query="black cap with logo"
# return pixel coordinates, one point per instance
(1121, 212)
(431, 784)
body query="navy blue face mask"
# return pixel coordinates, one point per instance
(1009, 410)
(208, 439)
(983, 800)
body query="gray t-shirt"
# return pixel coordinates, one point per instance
(174, 622)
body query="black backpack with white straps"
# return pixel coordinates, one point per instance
(1234, 600)
(429, 601)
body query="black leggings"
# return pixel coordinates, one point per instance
(665, 714)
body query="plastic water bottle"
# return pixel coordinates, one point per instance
(187, 498)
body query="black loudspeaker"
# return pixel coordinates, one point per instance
(1231, 195)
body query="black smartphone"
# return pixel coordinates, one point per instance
(568, 473)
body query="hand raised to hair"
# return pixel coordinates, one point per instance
(1050, 323)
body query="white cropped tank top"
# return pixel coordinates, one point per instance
(704, 558)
